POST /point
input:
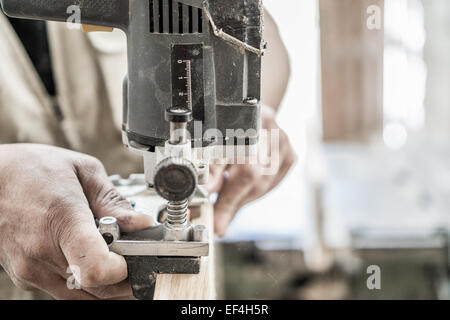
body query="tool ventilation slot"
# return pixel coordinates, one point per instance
(173, 17)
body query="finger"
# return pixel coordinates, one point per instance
(189, 214)
(86, 251)
(104, 199)
(216, 178)
(40, 277)
(286, 165)
(260, 189)
(235, 189)
(120, 290)
(269, 182)
(60, 291)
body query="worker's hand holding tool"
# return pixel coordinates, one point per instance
(240, 184)
(49, 198)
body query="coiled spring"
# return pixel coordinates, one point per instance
(177, 213)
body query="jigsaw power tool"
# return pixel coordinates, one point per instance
(192, 94)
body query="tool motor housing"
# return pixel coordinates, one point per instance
(175, 58)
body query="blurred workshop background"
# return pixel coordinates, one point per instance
(368, 113)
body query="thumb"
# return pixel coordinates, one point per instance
(216, 178)
(104, 200)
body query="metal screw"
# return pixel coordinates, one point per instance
(179, 117)
(251, 101)
(109, 229)
(200, 234)
(108, 237)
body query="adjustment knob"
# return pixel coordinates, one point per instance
(178, 114)
(175, 179)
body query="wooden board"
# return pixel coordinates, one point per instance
(196, 286)
(352, 70)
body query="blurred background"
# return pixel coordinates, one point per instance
(368, 113)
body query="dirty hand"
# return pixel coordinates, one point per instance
(49, 198)
(239, 184)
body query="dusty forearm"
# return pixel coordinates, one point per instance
(275, 66)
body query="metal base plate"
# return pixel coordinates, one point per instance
(142, 271)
